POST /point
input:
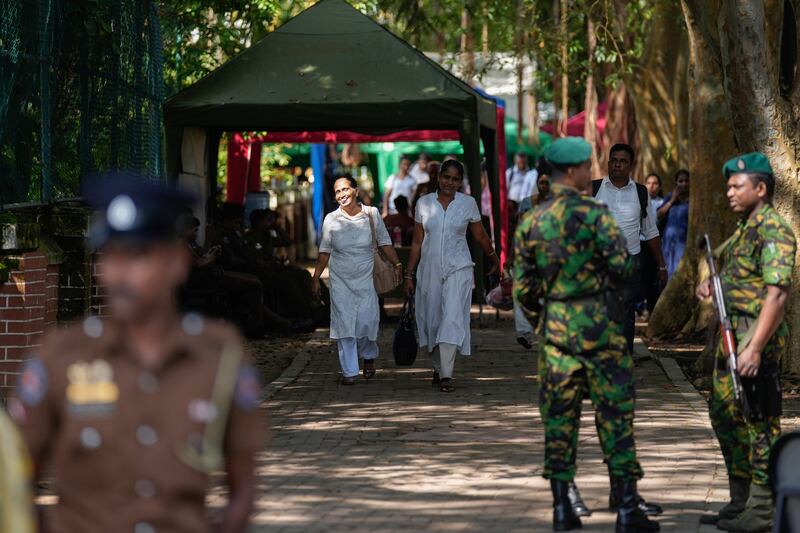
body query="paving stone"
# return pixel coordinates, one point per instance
(395, 454)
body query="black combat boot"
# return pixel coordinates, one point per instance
(630, 517)
(576, 501)
(650, 509)
(564, 518)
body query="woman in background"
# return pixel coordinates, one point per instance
(444, 279)
(675, 212)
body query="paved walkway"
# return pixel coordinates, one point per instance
(396, 454)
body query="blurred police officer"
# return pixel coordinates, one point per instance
(135, 410)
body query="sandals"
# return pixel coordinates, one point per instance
(369, 368)
(447, 385)
(348, 381)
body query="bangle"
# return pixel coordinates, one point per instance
(408, 276)
(663, 268)
(398, 265)
(491, 254)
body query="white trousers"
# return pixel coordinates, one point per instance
(443, 358)
(521, 324)
(350, 349)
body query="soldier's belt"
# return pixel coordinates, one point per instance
(582, 299)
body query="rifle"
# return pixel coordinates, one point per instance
(728, 336)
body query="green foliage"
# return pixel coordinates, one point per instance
(200, 35)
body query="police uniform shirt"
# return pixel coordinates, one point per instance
(126, 443)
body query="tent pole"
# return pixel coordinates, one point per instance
(471, 141)
(174, 141)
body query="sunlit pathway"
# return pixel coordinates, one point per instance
(396, 454)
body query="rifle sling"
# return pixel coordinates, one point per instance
(751, 324)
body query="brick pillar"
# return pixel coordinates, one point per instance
(98, 306)
(28, 307)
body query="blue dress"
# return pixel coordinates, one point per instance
(673, 242)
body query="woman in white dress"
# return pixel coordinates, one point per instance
(347, 248)
(444, 279)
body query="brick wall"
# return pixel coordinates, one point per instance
(98, 306)
(28, 307)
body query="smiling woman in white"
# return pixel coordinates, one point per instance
(443, 294)
(347, 248)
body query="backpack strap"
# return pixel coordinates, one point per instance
(641, 192)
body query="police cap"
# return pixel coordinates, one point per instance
(568, 151)
(130, 209)
(752, 163)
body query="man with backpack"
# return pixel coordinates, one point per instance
(628, 203)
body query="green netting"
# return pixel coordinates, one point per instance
(81, 88)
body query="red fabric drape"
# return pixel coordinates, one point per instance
(238, 165)
(353, 137)
(501, 175)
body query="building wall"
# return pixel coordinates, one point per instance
(28, 308)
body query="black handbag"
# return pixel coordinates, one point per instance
(405, 344)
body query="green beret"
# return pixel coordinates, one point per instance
(752, 163)
(568, 151)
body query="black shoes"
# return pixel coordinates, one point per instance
(650, 509)
(564, 518)
(578, 507)
(630, 516)
(525, 343)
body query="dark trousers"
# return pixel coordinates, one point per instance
(651, 285)
(631, 296)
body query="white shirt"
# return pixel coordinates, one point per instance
(419, 175)
(354, 302)
(406, 186)
(520, 183)
(624, 205)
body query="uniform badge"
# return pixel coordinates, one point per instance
(202, 411)
(741, 164)
(32, 382)
(248, 388)
(91, 388)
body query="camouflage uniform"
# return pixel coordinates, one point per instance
(760, 253)
(567, 250)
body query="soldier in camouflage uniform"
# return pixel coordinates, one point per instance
(756, 266)
(568, 252)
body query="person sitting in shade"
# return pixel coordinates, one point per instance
(401, 222)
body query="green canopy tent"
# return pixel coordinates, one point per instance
(328, 68)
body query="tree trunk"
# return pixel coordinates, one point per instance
(564, 36)
(590, 103)
(620, 123)
(711, 142)
(659, 91)
(467, 46)
(533, 115)
(763, 119)
(485, 31)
